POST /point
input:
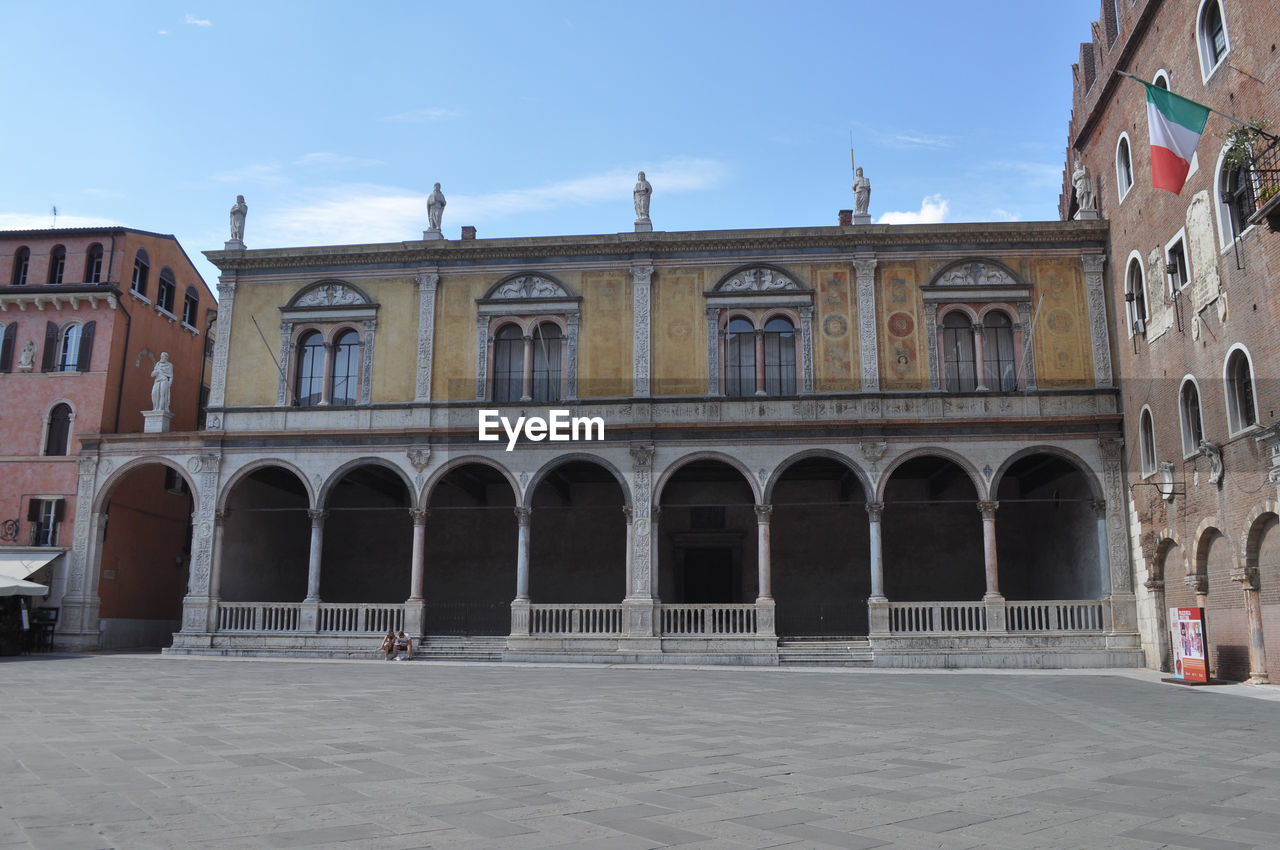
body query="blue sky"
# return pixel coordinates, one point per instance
(334, 119)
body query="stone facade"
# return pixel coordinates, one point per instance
(1202, 495)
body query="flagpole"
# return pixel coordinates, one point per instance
(1258, 130)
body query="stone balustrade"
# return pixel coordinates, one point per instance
(600, 620)
(710, 620)
(959, 618)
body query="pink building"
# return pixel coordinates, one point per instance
(84, 315)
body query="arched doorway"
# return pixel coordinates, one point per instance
(469, 572)
(146, 556)
(820, 550)
(1226, 622)
(1264, 557)
(578, 536)
(707, 536)
(932, 533)
(266, 538)
(368, 537)
(1059, 560)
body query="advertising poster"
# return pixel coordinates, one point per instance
(1189, 645)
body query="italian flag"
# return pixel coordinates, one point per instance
(1175, 125)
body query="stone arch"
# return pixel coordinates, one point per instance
(114, 477)
(1095, 486)
(262, 463)
(1165, 541)
(579, 457)
(1209, 528)
(692, 457)
(1255, 524)
(763, 283)
(424, 497)
(980, 271)
(781, 468)
(322, 498)
(932, 451)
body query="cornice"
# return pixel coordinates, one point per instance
(863, 238)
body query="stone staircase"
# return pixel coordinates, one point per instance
(825, 652)
(459, 648)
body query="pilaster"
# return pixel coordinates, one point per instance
(868, 343)
(1097, 300)
(641, 303)
(427, 283)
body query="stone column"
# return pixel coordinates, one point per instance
(641, 277)
(326, 385)
(638, 620)
(980, 359)
(526, 381)
(877, 603)
(1155, 586)
(868, 344)
(766, 608)
(427, 283)
(1097, 300)
(1104, 545)
(759, 340)
(414, 606)
(317, 549)
(993, 600)
(215, 571)
(1248, 579)
(520, 605)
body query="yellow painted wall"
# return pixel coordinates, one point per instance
(252, 373)
(395, 358)
(1064, 354)
(453, 373)
(679, 332)
(904, 352)
(605, 335)
(836, 363)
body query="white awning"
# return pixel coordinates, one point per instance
(23, 564)
(10, 586)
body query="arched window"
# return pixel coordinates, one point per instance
(310, 377)
(166, 291)
(779, 357)
(1235, 200)
(8, 334)
(57, 263)
(1161, 80)
(508, 364)
(740, 358)
(346, 367)
(958, 353)
(1189, 413)
(1124, 166)
(1211, 35)
(93, 264)
(1241, 409)
(547, 345)
(21, 262)
(1147, 443)
(190, 306)
(999, 370)
(141, 271)
(69, 349)
(1135, 289)
(58, 434)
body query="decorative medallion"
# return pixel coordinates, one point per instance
(835, 326)
(901, 324)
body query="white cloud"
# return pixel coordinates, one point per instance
(911, 140)
(1001, 214)
(933, 210)
(373, 213)
(424, 115)
(328, 159)
(29, 221)
(163, 32)
(199, 22)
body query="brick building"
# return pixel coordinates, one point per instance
(1191, 279)
(84, 315)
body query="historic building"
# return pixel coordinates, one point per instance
(1190, 277)
(85, 313)
(892, 444)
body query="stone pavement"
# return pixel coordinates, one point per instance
(137, 751)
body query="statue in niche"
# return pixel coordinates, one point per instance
(162, 376)
(861, 192)
(238, 211)
(641, 195)
(27, 360)
(1083, 185)
(435, 208)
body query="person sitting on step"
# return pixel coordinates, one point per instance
(388, 647)
(404, 647)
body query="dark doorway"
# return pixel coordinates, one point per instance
(708, 576)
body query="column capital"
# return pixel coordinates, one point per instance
(219, 517)
(1197, 583)
(523, 515)
(629, 512)
(642, 456)
(1155, 585)
(1099, 507)
(762, 513)
(317, 516)
(1247, 577)
(988, 509)
(419, 515)
(874, 510)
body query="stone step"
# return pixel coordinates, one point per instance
(823, 652)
